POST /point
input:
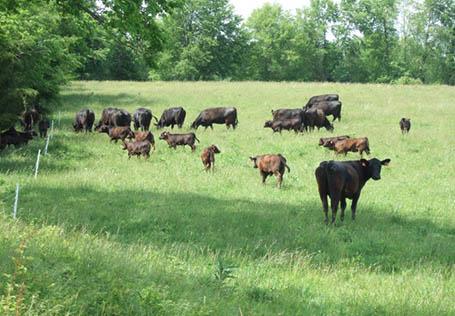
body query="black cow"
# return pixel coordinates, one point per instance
(13, 137)
(171, 117)
(142, 118)
(345, 179)
(114, 117)
(316, 118)
(84, 120)
(43, 126)
(321, 98)
(30, 118)
(282, 114)
(220, 115)
(329, 108)
(405, 125)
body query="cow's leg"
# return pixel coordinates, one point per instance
(279, 179)
(211, 127)
(323, 191)
(193, 148)
(355, 199)
(343, 207)
(264, 176)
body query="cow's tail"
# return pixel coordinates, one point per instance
(196, 138)
(284, 162)
(367, 146)
(156, 119)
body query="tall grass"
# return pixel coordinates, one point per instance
(101, 234)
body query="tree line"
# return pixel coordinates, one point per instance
(45, 43)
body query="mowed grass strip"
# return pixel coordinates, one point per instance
(102, 234)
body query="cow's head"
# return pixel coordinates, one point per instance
(159, 124)
(195, 124)
(268, 124)
(374, 167)
(322, 142)
(164, 135)
(215, 149)
(254, 160)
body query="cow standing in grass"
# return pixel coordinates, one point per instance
(345, 179)
(208, 157)
(220, 115)
(271, 165)
(84, 120)
(137, 148)
(405, 125)
(174, 140)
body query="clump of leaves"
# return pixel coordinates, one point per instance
(223, 271)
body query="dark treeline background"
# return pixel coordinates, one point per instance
(45, 43)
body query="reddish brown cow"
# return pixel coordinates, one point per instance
(174, 140)
(345, 179)
(116, 133)
(351, 144)
(271, 164)
(137, 148)
(208, 157)
(329, 142)
(145, 136)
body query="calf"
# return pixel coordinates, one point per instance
(84, 120)
(208, 157)
(405, 125)
(174, 140)
(43, 126)
(352, 144)
(137, 148)
(145, 136)
(116, 133)
(287, 124)
(345, 179)
(271, 164)
(17, 139)
(329, 142)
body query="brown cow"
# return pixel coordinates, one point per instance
(208, 157)
(345, 179)
(316, 118)
(116, 133)
(329, 142)
(137, 148)
(351, 144)
(174, 140)
(405, 125)
(145, 136)
(271, 164)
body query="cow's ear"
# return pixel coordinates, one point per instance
(385, 162)
(364, 162)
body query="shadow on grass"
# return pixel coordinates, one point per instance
(251, 228)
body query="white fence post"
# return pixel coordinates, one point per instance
(16, 200)
(52, 129)
(47, 144)
(37, 163)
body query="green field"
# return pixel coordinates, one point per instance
(98, 234)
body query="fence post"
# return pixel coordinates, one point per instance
(16, 200)
(37, 163)
(47, 145)
(52, 129)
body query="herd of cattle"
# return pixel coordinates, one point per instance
(336, 179)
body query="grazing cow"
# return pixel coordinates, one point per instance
(114, 117)
(405, 125)
(43, 126)
(271, 164)
(84, 120)
(352, 144)
(116, 133)
(321, 98)
(137, 148)
(174, 140)
(208, 157)
(282, 114)
(329, 108)
(286, 124)
(5, 137)
(329, 142)
(316, 118)
(145, 136)
(142, 118)
(29, 118)
(220, 115)
(345, 179)
(171, 117)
